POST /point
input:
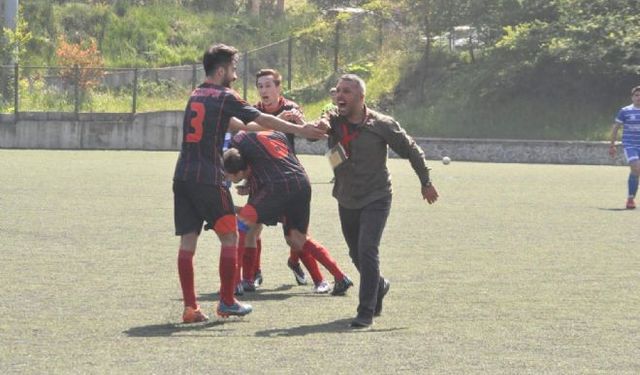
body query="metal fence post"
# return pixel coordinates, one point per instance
(16, 95)
(194, 76)
(134, 101)
(336, 47)
(289, 60)
(245, 75)
(76, 98)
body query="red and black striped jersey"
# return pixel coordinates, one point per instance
(206, 120)
(272, 163)
(284, 104)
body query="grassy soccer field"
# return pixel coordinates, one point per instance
(517, 269)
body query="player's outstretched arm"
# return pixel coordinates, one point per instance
(304, 130)
(236, 124)
(429, 193)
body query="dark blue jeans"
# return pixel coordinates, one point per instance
(362, 229)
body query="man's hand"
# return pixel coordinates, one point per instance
(292, 115)
(323, 124)
(612, 151)
(311, 131)
(429, 193)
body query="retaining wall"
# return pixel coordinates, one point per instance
(162, 131)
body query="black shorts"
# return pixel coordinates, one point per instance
(194, 204)
(292, 209)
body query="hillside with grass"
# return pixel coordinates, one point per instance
(532, 70)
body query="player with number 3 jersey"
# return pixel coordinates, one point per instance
(200, 195)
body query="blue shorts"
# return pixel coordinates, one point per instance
(632, 154)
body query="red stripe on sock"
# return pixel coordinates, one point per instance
(310, 264)
(294, 256)
(187, 278)
(258, 255)
(227, 270)
(322, 255)
(248, 266)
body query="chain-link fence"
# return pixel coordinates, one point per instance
(307, 60)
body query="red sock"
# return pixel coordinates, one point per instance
(258, 254)
(248, 269)
(227, 270)
(322, 255)
(311, 265)
(294, 256)
(187, 279)
(240, 260)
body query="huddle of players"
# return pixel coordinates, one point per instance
(279, 189)
(249, 273)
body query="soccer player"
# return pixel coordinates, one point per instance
(629, 118)
(359, 139)
(281, 192)
(200, 195)
(268, 83)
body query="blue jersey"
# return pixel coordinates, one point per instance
(629, 117)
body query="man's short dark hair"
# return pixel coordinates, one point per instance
(233, 161)
(218, 55)
(277, 77)
(635, 89)
(355, 79)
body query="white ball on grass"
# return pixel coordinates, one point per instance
(446, 160)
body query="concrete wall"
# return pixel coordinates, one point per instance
(504, 151)
(162, 131)
(103, 131)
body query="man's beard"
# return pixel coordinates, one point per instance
(227, 83)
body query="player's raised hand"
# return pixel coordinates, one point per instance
(323, 124)
(429, 193)
(311, 131)
(292, 115)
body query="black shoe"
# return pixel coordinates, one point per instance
(340, 287)
(258, 278)
(248, 285)
(360, 322)
(383, 289)
(298, 273)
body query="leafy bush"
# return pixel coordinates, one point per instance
(81, 64)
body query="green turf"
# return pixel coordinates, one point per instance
(517, 269)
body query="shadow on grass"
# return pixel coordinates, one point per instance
(170, 329)
(337, 326)
(613, 209)
(261, 294)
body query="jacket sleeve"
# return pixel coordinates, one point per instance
(407, 148)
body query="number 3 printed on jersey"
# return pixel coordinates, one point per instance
(196, 122)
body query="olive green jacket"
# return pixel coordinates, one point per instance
(363, 177)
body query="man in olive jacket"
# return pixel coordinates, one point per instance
(359, 139)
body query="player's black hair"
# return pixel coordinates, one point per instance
(233, 161)
(635, 89)
(277, 77)
(218, 55)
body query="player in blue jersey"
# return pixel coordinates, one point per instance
(280, 192)
(200, 194)
(629, 119)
